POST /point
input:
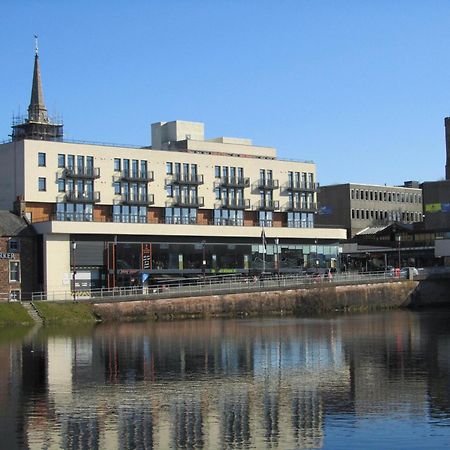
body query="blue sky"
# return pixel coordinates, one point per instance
(360, 87)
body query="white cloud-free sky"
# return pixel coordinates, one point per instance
(359, 87)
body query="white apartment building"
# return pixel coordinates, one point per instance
(184, 206)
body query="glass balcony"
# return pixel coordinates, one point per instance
(237, 182)
(82, 172)
(268, 184)
(268, 205)
(136, 199)
(82, 197)
(297, 186)
(229, 203)
(301, 206)
(187, 202)
(182, 178)
(140, 176)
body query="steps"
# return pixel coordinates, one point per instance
(31, 310)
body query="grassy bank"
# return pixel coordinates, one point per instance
(65, 312)
(14, 314)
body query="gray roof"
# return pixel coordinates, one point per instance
(12, 225)
(372, 230)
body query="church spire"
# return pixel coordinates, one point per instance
(38, 125)
(37, 112)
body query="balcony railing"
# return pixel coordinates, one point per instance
(242, 203)
(238, 182)
(136, 199)
(192, 202)
(264, 183)
(296, 186)
(182, 178)
(82, 197)
(268, 205)
(82, 172)
(140, 176)
(302, 206)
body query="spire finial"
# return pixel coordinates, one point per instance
(36, 47)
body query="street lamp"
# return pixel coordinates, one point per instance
(399, 239)
(277, 254)
(74, 268)
(204, 259)
(317, 256)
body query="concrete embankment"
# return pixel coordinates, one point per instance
(317, 300)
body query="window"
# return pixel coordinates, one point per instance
(13, 246)
(169, 168)
(71, 161)
(117, 190)
(217, 171)
(116, 164)
(61, 185)
(42, 184)
(41, 159)
(14, 295)
(14, 271)
(61, 161)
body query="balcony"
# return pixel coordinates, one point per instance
(302, 207)
(242, 203)
(182, 178)
(142, 176)
(193, 202)
(237, 182)
(135, 199)
(82, 197)
(267, 205)
(267, 184)
(89, 173)
(297, 186)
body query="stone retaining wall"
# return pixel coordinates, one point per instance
(321, 299)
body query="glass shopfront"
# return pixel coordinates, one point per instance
(133, 263)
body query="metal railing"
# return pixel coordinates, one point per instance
(218, 285)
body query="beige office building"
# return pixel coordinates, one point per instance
(184, 206)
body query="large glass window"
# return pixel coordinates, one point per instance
(265, 218)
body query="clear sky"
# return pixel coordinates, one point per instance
(360, 87)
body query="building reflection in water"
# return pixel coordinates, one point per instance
(235, 419)
(221, 384)
(187, 426)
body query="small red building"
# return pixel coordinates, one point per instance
(18, 253)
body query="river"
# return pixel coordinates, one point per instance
(362, 381)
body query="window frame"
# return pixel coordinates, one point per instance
(17, 263)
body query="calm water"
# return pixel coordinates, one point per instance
(378, 381)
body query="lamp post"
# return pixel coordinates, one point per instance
(74, 268)
(317, 256)
(204, 259)
(277, 254)
(399, 239)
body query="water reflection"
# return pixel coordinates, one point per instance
(288, 383)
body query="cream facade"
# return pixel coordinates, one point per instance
(193, 196)
(185, 206)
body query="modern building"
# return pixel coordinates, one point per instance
(358, 206)
(184, 206)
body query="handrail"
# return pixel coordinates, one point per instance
(217, 285)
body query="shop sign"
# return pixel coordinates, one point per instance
(7, 255)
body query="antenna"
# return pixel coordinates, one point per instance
(36, 47)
